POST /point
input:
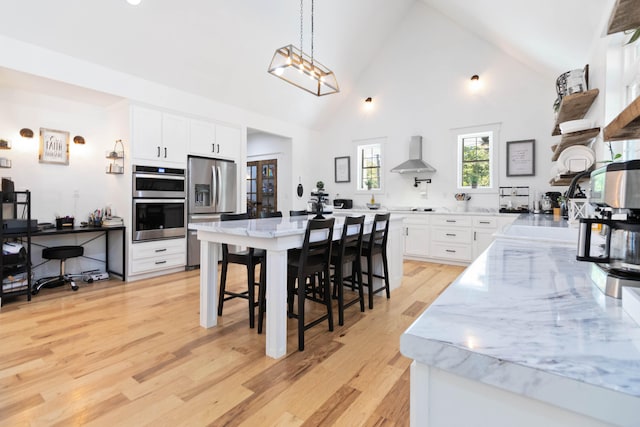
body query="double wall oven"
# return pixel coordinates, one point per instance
(159, 207)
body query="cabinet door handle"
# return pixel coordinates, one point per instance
(450, 251)
(165, 152)
(161, 250)
(451, 235)
(450, 220)
(218, 149)
(213, 148)
(160, 262)
(485, 222)
(474, 235)
(158, 151)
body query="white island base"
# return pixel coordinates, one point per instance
(442, 399)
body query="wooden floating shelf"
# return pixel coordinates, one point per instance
(565, 179)
(574, 107)
(626, 125)
(624, 16)
(583, 137)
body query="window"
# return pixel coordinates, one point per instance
(369, 166)
(476, 157)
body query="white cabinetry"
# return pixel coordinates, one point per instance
(157, 137)
(458, 239)
(214, 140)
(483, 231)
(416, 235)
(229, 140)
(451, 237)
(154, 256)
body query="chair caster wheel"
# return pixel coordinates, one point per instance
(74, 287)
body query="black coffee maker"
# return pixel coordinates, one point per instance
(614, 191)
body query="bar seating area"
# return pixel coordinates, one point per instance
(314, 267)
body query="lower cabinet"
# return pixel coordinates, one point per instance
(458, 239)
(149, 257)
(416, 236)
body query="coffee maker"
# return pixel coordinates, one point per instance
(615, 193)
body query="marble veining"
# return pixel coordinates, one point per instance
(525, 316)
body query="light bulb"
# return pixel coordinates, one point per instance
(279, 71)
(134, 2)
(474, 84)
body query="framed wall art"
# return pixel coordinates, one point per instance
(521, 158)
(343, 169)
(54, 146)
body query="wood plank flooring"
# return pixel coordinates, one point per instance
(115, 354)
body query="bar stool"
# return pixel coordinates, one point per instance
(314, 259)
(347, 251)
(62, 253)
(250, 258)
(374, 244)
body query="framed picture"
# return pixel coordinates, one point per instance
(54, 146)
(521, 158)
(343, 169)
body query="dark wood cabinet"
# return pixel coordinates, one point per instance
(262, 187)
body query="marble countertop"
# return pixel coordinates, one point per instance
(420, 211)
(270, 227)
(526, 317)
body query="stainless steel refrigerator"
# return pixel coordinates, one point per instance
(212, 190)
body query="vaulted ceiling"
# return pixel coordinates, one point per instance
(220, 49)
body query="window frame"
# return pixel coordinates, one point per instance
(493, 132)
(359, 145)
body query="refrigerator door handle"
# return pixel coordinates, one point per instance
(214, 187)
(218, 176)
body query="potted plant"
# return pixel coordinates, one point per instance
(320, 186)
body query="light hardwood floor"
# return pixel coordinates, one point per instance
(115, 354)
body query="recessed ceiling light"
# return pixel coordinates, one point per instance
(134, 2)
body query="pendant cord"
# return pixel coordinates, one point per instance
(301, 25)
(312, 2)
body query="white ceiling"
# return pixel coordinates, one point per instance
(221, 48)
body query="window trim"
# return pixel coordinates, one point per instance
(493, 129)
(365, 142)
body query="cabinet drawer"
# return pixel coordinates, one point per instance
(487, 222)
(453, 252)
(449, 221)
(416, 219)
(455, 235)
(159, 248)
(157, 263)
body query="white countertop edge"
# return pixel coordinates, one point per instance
(601, 403)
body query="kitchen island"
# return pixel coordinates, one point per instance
(524, 337)
(276, 235)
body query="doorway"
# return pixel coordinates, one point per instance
(262, 187)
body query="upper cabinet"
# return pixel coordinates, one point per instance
(214, 140)
(158, 137)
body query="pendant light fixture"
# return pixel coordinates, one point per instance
(296, 67)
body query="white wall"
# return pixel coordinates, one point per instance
(419, 82)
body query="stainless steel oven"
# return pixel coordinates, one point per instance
(159, 205)
(156, 182)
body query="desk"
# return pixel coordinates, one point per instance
(75, 230)
(276, 235)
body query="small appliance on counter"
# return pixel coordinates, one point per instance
(614, 191)
(343, 203)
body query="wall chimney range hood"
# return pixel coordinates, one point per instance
(415, 164)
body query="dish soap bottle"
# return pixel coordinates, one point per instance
(373, 200)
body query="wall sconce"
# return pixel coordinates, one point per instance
(474, 83)
(368, 103)
(78, 139)
(26, 133)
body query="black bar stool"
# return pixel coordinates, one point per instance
(347, 251)
(250, 258)
(375, 244)
(314, 260)
(62, 253)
